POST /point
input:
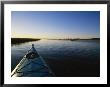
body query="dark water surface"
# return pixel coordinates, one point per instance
(65, 58)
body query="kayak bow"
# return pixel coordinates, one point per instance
(32, 65)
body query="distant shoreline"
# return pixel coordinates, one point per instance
(22, 40)
(77, 39)
(86, 39)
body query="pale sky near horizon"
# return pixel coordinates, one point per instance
(55, 24)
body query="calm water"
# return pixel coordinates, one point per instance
(60, 50)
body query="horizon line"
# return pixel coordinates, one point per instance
(55, 38)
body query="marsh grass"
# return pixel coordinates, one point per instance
(22, 40)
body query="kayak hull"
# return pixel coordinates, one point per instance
(32, 67)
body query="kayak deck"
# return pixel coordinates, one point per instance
(34, 66)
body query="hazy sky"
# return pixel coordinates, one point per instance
(60, 24)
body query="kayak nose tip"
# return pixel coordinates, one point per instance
(32, 45)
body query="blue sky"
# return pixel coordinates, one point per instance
(55, 24)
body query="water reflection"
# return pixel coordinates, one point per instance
(66, 52)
